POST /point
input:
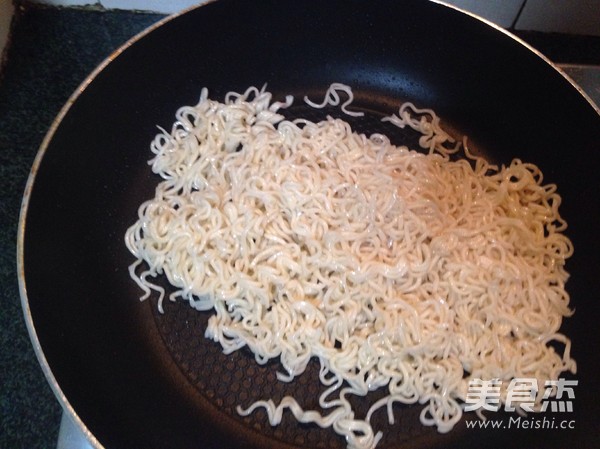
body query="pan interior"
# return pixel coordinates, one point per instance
(229, 381)
(140, 379)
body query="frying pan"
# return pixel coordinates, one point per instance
(133, 378)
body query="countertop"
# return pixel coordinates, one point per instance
(52, 51)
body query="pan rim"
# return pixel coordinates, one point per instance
(37, 163)
(22, 222)
(534, 50)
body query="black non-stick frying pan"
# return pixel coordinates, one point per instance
(133, 378)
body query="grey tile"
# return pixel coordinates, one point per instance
(561, 16)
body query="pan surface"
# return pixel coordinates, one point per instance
(135, 378)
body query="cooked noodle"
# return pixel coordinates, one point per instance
(397, 269)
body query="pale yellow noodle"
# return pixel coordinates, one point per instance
(416, 272)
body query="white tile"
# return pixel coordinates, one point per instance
(501, 12)
(161, 6)
(67, 2)
(561, 16)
